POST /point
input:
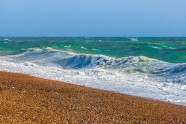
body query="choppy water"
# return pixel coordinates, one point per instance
(147, 67)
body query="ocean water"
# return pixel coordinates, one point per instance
(147, 67)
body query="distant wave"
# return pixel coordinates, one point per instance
(6, 39)
(133, 39)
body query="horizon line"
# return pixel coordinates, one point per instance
(96, 36)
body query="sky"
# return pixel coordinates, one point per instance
(93, 18)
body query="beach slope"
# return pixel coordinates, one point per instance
(26, 99)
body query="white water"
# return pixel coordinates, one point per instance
(138, 84)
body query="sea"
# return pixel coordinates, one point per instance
(153, 68)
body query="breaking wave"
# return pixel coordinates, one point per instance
(135, 75)
(69, 60)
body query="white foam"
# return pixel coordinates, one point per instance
(133, 39)
(67, 46)
(82, 47)
(138, 84)
(6, 39)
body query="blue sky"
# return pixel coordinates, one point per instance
(93, 18)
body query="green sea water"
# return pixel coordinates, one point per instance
(165, 49)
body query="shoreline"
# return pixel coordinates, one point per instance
(104, 90)
(27, 99)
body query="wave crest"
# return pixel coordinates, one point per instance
(73, 60)
(130, 64)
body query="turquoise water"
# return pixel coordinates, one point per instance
(165, 49)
